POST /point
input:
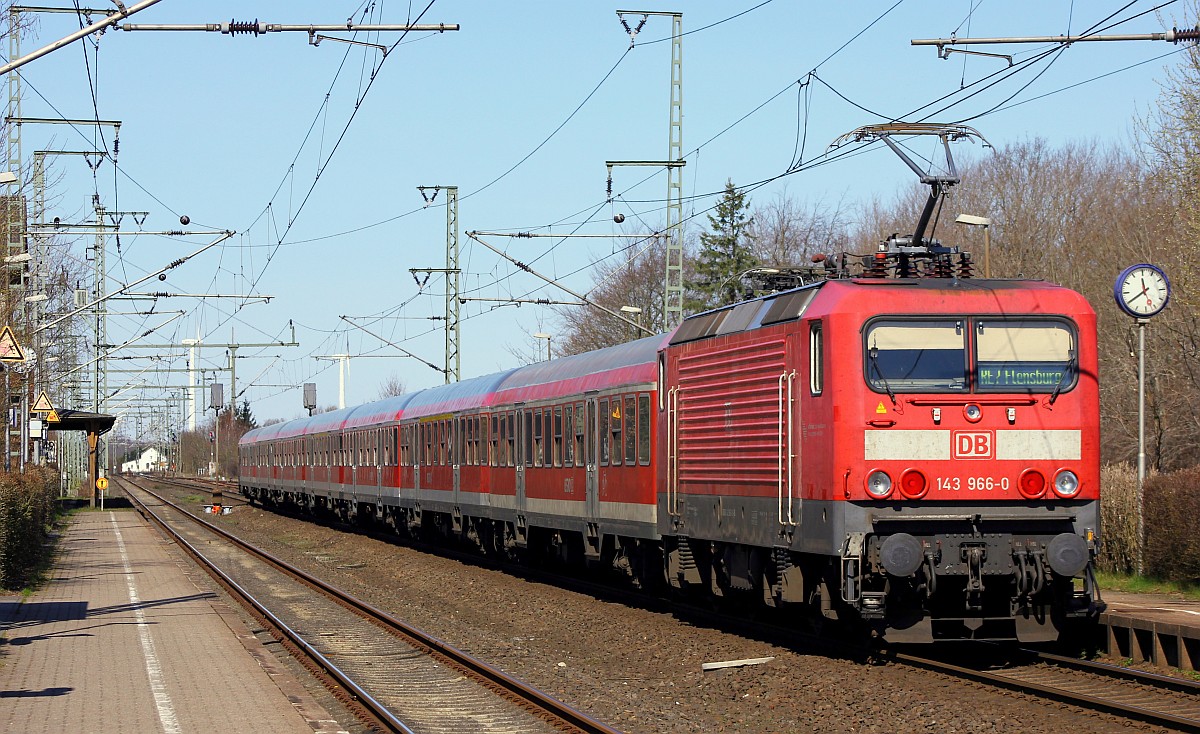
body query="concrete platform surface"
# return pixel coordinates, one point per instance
(122, 640)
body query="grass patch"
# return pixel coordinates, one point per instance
(1142, 585)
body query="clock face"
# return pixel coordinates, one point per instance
(1142, 290)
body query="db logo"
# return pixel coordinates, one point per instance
(972, 444)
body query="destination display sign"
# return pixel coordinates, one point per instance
(1023, 375)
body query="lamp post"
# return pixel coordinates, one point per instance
(973, 221)
(540, 335)
(635, 312)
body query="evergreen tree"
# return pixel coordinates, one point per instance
(244, 416)
(724, 253)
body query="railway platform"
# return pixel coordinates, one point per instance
(121, 639)
(1152, 628)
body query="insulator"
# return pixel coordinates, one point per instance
(966, 269)
(878, 266)
(1188, 34)
(233, 27)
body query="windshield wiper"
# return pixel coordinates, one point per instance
(1063, 380)
(873, 355)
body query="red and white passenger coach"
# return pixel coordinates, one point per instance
(915, 453)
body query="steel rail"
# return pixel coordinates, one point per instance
(1063, 695)
(489, 675)
(364, 699)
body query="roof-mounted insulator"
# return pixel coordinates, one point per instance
(233, 27)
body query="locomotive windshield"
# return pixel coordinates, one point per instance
(1023, 356)
(1004, 355)
(925, 356)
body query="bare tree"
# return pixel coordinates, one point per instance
(635, 282)
(787, 233)
(392, 386)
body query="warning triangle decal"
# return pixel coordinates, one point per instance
(52, 417)
(42, 404)
(10, 351)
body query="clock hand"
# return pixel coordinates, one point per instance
(1135, 296)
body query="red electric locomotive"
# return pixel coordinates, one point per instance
(921, 454)
(897, 443)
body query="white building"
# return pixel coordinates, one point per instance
(150, 460)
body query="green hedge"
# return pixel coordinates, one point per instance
(26, 512)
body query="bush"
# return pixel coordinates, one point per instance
(1118, 518)
(1172, 505)
(26, 511)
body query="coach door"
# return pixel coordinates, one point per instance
(590, 439)
(524, 449)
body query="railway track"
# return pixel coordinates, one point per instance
(396, 676)
(1119, 692)
(1126, 693)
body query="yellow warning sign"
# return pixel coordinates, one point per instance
(880, 409)
(102, 483)
(52, 416)
(10, 351)
(42, 404)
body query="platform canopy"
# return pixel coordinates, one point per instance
(81, 420)
(94, 425)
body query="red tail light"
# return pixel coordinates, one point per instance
(1031, 484)
(913, 484)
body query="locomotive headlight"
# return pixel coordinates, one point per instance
(1066, 484)
(879, 484)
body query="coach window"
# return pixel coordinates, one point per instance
(538, 446)
(558, 436)
(630, 430)
(511, 439)
(528, 437)
(605, 437)
(580, 435)
(480, 426)
(569, 435)
(615, 426)
(643, 429)
(494, 441)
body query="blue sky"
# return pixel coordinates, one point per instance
(233, 131)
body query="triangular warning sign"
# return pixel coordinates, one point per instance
(10, 351)
(52, 417)
(879, 408)
(42, 404)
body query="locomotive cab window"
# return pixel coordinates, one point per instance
(1028, 355)
(916, 356)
